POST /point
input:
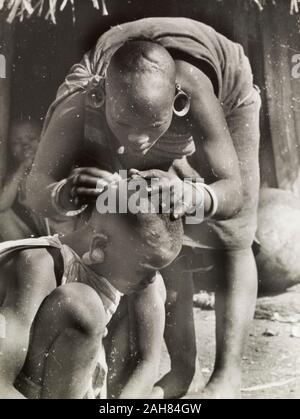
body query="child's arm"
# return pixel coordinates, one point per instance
(9, 191)
(150, 321)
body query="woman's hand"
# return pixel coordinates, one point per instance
(84, 185)
(175, 195)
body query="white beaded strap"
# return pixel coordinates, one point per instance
(55, 191)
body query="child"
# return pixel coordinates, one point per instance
(70, 288)
(17, 221)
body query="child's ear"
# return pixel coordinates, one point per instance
(96, 253)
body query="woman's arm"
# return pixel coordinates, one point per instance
(60, 149)
(57, 153)
(211, 130)
(150, 322)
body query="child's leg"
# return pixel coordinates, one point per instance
(66, 341)
(32, 280)
(179, 330)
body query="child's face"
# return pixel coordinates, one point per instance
(137, 122)
(24, 141)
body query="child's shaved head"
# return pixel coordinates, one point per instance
(160, 238)
(155, 241)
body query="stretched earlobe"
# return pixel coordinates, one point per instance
(86, 259)
(96, 253)
(182, 102)
(93, 257)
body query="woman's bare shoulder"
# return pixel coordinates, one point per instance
(191, 79)
(71, 106)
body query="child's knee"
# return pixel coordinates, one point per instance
(81, 307)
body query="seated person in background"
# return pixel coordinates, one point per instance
(17, 221)
(70, 288)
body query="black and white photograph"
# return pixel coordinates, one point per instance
(150, 201)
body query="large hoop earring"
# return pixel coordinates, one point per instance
(184, 102)
(96, 98)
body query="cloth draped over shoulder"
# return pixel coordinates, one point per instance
(201, 42)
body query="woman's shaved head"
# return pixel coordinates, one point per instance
(145, 71)
(142, 58)
(140, 91)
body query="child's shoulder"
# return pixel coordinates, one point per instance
(33, 256)
(29, 253)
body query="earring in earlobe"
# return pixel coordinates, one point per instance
(96, 254)
(86, 259)
(96, 95)
(93, 258)
(182, 102)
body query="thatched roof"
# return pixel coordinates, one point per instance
(48, 8)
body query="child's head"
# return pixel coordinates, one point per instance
(131, 248)
(140, 90)
(159, 238)
(24, 140)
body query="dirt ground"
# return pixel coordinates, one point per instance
(271, 364)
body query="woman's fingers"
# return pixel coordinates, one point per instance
(148, 174)
(134, 172)
(179, 209)
(88, 192)
(95, 173)
(85, 180)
